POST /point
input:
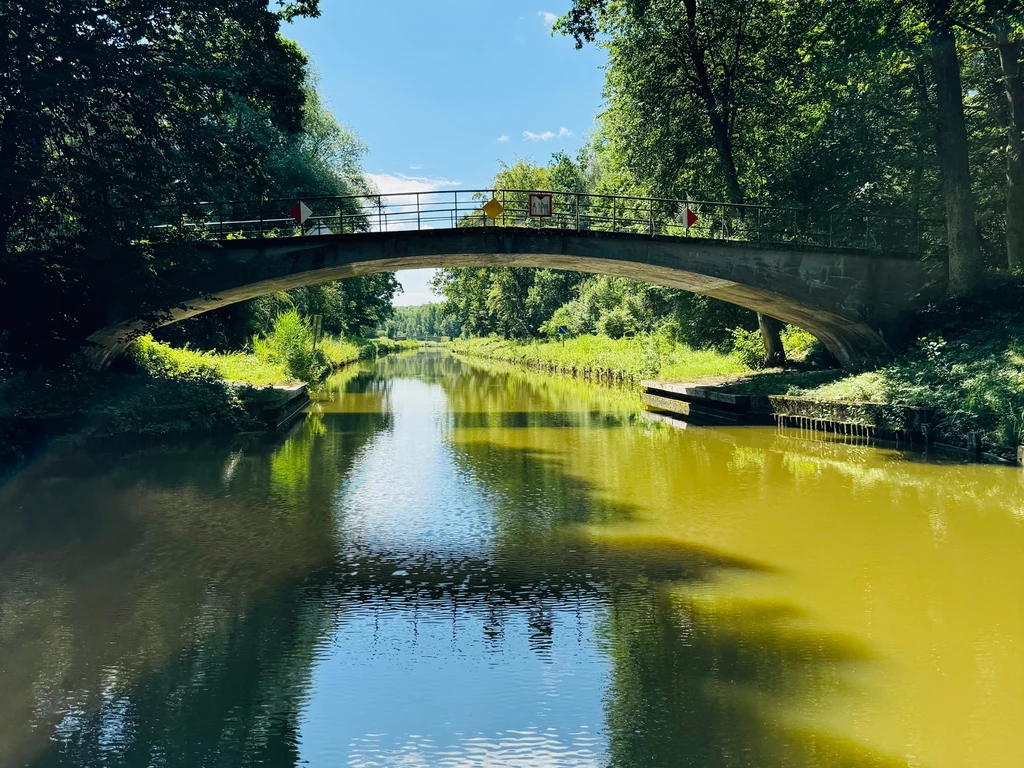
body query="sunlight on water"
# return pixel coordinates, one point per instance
(451, 563)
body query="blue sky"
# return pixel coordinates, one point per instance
(442, 91)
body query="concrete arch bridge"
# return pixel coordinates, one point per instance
(853, 280)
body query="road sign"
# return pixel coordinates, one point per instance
(493, 209)
(300, 212)
(540, 205)
(563, 329)
(690, 217)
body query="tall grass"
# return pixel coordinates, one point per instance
(163, 360)
(626, 360)
(286, 355)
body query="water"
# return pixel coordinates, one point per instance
(452, 564)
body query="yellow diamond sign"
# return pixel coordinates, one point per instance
(493, 209)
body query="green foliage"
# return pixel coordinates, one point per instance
(625, 360)
(799, 344)
(616, 323)
(748, 347)
(162, 360)
(290, 345)
(520, 303)
(420, 322)
(967, 365)
(161, 105)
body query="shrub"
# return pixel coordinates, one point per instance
(748, 347)
(290, 343)
(798, 343)
(615, 323)
(162, 360)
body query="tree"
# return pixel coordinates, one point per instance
(514, 301)
(107, 109)
(691, 79)
(997, 27)
(1008, 40)
(965, 264)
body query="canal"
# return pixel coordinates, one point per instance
(451, 563)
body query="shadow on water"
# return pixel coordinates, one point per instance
(692, 684)
(169, 608)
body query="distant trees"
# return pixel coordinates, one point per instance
(520, 303)
(420, 322)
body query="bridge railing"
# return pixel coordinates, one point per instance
(569, 211)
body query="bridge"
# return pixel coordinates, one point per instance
(854, 280)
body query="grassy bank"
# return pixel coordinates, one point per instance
(269, 365)
(967, 364)
(160, 390)
(625, 361)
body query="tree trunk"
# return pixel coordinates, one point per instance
(965, 266)
(721, 133)
(771, 330)
(1009, 63)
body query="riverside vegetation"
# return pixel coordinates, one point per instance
(159, 389)
(967, 365)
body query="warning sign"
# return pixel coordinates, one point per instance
(540, 205)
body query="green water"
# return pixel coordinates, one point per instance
(457, 564)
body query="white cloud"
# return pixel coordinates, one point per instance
(549, 18)
(504, 139)
(397, 183)
(415, 167)
(563, 132)
(398, 211)
(416, 288)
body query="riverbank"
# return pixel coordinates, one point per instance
(160, 390)
(966, 367)
(625, 361)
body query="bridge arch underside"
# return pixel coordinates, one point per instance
(858, 305)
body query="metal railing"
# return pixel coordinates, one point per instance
(569, 211)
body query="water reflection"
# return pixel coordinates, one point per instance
(455, 564)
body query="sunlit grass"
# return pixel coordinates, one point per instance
(868, 387)
(627, 359)
(159, 359)
(256, 370)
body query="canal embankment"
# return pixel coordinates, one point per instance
(624, 361)
(958, 386)
(162, 391)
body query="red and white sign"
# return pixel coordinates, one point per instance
(540, 205)
(300, 212)
(690, 218)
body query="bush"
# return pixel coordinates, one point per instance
(748, 347)
(164, 361)
(290, 343)
(798, 343)
(615, 323)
